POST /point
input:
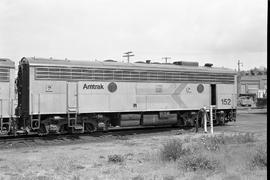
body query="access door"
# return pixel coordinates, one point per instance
(213, 94)
(1, 108)
(72, 95)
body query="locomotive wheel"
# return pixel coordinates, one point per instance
(89, 127)
(221, 120)
(228, 116)
(193, 118)
(189, 119)
(42, 130)
(63, 129)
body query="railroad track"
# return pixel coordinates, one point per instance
(8, 142)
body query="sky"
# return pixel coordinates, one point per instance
(207, 31)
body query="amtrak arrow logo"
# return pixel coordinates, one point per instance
(176, 93)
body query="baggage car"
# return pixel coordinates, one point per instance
(56, 96)
(7, 94)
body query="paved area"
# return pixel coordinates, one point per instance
(251, 111)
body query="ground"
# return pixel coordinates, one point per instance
(135, 156)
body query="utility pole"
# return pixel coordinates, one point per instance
(166, 58)
(239, 63)
(128, 54)
(239, 78)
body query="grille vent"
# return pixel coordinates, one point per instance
(4, 74)
(92, 74)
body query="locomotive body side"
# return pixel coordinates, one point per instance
(67, 95)
(140, 96)
(7, 95)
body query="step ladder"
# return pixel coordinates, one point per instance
(72, 118)
(214, 114)
(5, 124)
(35, 121)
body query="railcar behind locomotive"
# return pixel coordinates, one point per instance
(58, 96)
(7, 94)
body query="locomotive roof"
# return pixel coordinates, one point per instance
(32, 61)
(4, 62)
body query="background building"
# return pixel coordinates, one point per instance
(252, 91)
(253, 85)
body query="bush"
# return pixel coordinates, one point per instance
(199, 162)
(116, 158)
(139, 177)
(173, 150)
(213, 143)
(65, 164)
(259, 158)
(244, 138)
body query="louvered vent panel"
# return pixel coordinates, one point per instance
(91, 74)
(4, 74)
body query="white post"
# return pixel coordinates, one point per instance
(205, 120)
(211, 119)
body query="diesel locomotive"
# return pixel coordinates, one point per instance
(65, 96)
(7, 95)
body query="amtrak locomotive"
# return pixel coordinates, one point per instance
(7, 95)
(60, 96)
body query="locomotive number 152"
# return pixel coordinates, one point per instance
(226, 101)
